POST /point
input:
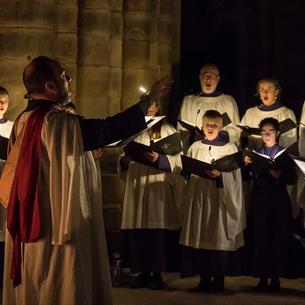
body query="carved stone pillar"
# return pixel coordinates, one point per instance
(138, 42)
(151, 43)
(66, 40)
(93, 57)
(26, 30)
(116, 52)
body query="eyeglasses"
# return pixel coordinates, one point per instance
(268, 133)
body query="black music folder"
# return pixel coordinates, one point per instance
(170, 145)
(263, 162)
(224, 164)
(136, 152)
(250, 130)
(225, 119)
(150, 122)
(285, 126)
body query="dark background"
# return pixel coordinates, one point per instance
(248, 40)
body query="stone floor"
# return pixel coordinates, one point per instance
(239, 292)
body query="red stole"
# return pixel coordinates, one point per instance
(23, 211)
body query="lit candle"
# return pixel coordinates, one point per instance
(142, 89)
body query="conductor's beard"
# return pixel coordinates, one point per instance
(64, 96)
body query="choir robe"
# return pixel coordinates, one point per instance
(213, 216)
(68, 265)
(255, 115)
(151, 215)
(269, 225)
(194, 107)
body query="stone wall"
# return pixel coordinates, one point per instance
(109, 48)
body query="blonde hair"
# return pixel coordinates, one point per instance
(213, 114)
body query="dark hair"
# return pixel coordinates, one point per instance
(270, 121)
(3, 91)
(38, 72)
(272, 80)
(212, 114)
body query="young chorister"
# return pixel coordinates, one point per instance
(150, 219)
(269, 225)
(213, 216)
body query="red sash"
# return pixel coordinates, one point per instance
(23, 212)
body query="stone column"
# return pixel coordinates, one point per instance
(151, 43)
(93, 57)
(66, 40)
(26, 31)
(168, 50)
(116, 52)
(139, 39)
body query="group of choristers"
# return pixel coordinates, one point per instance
(233, 221)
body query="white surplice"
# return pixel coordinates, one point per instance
(68, 265)
(213, 218)
(152, 197)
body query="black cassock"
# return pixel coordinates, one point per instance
(270, 222)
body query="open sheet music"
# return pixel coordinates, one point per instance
(150, 122)
(263, 162)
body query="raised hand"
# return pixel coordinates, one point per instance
(160, 88)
